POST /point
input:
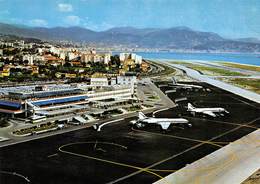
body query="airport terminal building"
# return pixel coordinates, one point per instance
(47, 101)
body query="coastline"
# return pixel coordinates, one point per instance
(202, 61)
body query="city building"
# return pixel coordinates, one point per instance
(72, 55)
(28, 58)
(129, 80)
(99, 81)
(96, 57)
(130, 56)
(126, 79)
(63, 55)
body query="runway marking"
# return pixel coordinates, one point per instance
(55, 154)
(179, 137)
(160, 110)
(16, 174)
(109, 122)
(104, 160)
(232, 157)
(178, 154)
(244, 102)
(210, 102)
(223, 122)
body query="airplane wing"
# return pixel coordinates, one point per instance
(165, 125)
(210, 113)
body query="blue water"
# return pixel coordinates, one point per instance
(252, 59)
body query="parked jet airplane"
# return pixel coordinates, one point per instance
(184, 86)
(213, 112)
(163, 122)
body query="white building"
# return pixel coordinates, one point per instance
(40, 50)
(128, 81)
(72, 55)
(99, 81)
(38, 58)
(29, 58)
(124, 56)
(55, 50)
(107, 58)
(137, 59)
(63, 55)
(87, 58)
(97, 58)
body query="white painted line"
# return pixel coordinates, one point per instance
(100, 126)
(160, 110)
(55, 154)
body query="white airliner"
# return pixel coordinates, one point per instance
(183, 86)
(213, 112)
(163, 122)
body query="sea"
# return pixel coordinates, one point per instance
(251, 59)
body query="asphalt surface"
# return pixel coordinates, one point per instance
(121, 154)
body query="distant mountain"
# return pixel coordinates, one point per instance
(172, 38)
(251, 40)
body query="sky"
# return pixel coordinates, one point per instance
(229, 18)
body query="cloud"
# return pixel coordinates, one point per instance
(62, 7)
(38, 22)
(72, 20)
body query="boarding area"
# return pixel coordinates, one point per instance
(120, 153)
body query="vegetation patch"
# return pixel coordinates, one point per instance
(35, 129)
(134, 108)
(148, 106)
(206, 70)
(241, 66)
(179, 62)
(154, 97)
(113, 112)
(250, 84)
(214, 71)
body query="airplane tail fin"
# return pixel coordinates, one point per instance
(190, 106)
(174, 81)
(141, 115)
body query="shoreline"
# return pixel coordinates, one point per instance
(185, 52)
(205, 61)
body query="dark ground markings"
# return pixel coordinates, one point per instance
(186, 158)
(233, 136)
(142, 177)
(173, 165)
(256, 124)
(13, 177)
